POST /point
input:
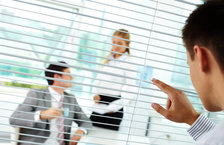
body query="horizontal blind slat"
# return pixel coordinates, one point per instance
(76, 52)
(123, 133)
(136, 4)
(186, 90)
(89, 107)
(97, 130)
(179, 44)
(109, 43)
(157, 9)
(78, 83)
(89, 142)
(77, 22)
(90, 129)
(33, 59)
(94, 17)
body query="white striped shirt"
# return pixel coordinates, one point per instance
(205, 132)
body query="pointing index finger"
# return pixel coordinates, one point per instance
(163, 86)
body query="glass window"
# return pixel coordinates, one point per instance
(36, 30)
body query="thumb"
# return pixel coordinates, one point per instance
(159, 109)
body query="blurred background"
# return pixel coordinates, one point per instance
(34, 33)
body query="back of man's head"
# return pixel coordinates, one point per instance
(205, 27)
(53, 69)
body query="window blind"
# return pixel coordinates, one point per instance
(36, 33)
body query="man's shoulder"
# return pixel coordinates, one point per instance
(70, 97)
(219, 131)
(37, 92)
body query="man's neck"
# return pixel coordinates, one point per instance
(217, 88)
(58, 90)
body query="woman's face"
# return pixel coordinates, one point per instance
(120, 42)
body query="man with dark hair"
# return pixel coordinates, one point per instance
(54, 69)
(203, 36)
(40, 116)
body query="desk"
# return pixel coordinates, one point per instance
(109, 137)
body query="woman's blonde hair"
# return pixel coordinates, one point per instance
(123, 34)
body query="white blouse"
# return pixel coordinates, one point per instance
(117, 85)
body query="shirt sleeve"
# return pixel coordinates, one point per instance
(115, 105)
(200, 127)
(37, 116)
(83, 129)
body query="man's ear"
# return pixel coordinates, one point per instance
(201, 55)
(57, 76)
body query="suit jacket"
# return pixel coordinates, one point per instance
(34, 101)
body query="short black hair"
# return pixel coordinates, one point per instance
(205, 27)
(60, 66)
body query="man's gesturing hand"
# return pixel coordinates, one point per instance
(178, 107)
(51, 113)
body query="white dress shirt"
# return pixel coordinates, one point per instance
(205, 132)
(55, 99)
(115, 80)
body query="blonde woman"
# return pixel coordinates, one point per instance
(114, 89)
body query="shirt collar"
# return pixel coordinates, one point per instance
(122, 57)
(55, 94)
